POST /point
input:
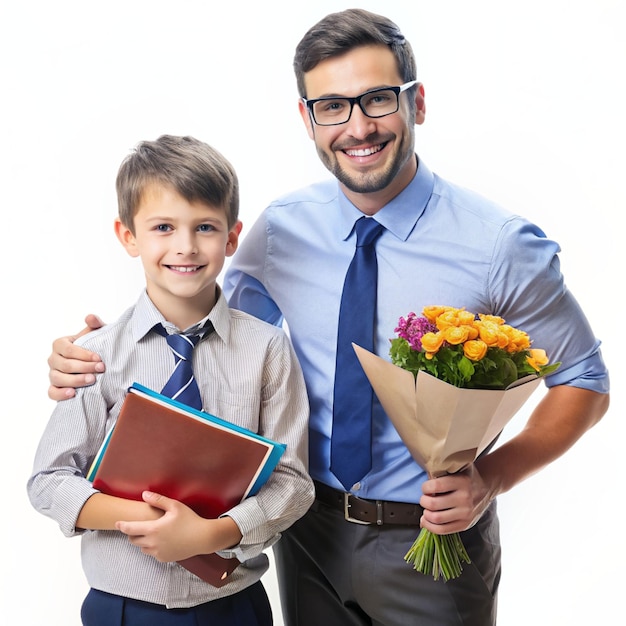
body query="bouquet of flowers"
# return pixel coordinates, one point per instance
(454, 381)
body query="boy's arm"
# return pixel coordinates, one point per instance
(163, 528)
(72, 366)
(178, 533)
(102, 512)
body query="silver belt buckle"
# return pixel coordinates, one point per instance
(346, 511)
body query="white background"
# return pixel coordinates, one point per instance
(525, 103)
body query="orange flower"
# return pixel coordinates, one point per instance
(465, 318)
(431, 342)
(431, 313)
(447, 319)
(495, 319)
(475, 349)
(537, 358)
(490, 333)
(456, 335)
(518, 339)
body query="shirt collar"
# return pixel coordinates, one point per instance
(220, 316)
(401, 214)
(146, 316)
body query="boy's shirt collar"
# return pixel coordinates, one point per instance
(146, 316)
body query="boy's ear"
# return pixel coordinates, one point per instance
(126, 237)
(233, 238)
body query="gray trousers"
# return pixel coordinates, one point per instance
(332, 572)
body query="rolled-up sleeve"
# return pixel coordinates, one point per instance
(528, 290)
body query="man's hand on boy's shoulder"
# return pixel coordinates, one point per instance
(72, 366)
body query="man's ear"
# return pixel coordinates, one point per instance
(233, 238)
(126, 238)
(420, 104)
(306, 118)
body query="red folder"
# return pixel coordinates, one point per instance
(161, 445)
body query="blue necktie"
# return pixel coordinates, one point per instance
(351, 442)
(182, 385)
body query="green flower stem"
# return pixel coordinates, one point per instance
(438, 555)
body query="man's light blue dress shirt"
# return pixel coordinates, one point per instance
(442, 245)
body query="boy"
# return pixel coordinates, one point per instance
(178, 211)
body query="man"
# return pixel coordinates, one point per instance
(440, 244)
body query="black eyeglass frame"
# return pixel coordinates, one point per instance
(357, 100)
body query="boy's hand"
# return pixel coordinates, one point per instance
(72, 366)
(180, 533)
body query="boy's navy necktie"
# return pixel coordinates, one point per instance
(351, 442)
(182, 385)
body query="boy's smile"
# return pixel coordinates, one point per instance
(185, 269)
(183, 246)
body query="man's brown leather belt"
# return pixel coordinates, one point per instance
(361, 511)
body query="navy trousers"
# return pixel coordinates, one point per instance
(249, 607)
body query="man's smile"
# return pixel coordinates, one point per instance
(362, 152)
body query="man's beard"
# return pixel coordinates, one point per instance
(368, 182)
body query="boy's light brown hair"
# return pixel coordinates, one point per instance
(194, 169)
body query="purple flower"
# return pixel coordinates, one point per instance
(413, 328)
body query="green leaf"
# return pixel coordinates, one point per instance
(466, 368)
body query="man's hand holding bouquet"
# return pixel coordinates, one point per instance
(454, 381)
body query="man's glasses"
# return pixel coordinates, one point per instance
(332, 110)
